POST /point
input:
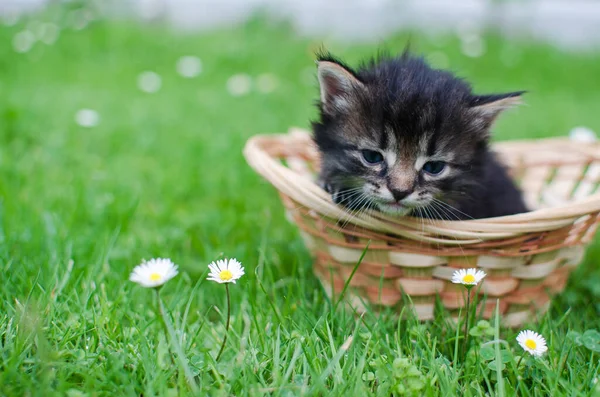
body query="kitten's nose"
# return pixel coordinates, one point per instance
(400, 194)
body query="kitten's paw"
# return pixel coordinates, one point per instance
(329, 188)
(325, 186)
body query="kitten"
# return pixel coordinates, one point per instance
(400, 137)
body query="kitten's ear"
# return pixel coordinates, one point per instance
(337, 86)
(485, 108)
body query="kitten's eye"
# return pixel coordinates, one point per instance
(372, 156)
(434, 167)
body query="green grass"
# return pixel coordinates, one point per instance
(163, 175)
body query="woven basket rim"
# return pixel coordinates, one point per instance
(306, 192)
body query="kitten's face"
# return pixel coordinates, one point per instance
(393, 171)
(401, 146)
(396, 168)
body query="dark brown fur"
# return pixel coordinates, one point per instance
(416, 120)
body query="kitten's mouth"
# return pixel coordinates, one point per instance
(393, 207)
(394, 204)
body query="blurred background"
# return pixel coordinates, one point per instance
(566, 23)
(122, 125)
(122, 122)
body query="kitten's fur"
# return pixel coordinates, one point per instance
(381, 127)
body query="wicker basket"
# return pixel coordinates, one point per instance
(527, 257)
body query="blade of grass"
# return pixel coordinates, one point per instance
(347, 283)
(176, 345)
(498, 358)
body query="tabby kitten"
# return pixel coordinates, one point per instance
(400, 137)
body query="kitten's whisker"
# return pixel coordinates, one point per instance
(353, 192)
(448, 212)
(350, 201)
(363, 205)
(349, 193)
(452, 208)
(459, 245)
(441, 212)
(421, 219)
(434, 211)
(354, 208)
(347, 217)
(351, 189)
(450, 216)
(432, 220)
(351, 198)
(427, 217)
(357, 212)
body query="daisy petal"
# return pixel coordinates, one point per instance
(468, 277)
(153, 273)
(225, 271)
(532, 342)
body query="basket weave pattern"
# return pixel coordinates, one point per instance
(527, 257)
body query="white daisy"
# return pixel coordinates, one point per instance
(23, 41)
(149, 82)
(87, 118)
(225, 271)
(239, 84)
(532, 342)
(267, 83)
(582, 134)
(153, 273)
(189, 66)
(468, 276)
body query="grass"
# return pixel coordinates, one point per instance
(162, 175)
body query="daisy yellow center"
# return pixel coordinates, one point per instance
(469, 278)
(530, 343)
(225, 275)
(155, 277)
